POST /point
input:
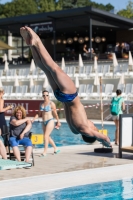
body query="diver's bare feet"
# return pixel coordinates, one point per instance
(30, 37)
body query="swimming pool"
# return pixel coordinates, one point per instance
(64, 136)
(113, 190)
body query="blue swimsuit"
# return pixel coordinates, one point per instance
(60, 96)
(46, 109)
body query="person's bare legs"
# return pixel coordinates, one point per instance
(3, 150)
(47, 131)
(64, 82)
(51, 141)
(16, 153)
(28, 153)
(117, 132)
(47, 72)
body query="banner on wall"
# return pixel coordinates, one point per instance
(46, 27)
(30, 106)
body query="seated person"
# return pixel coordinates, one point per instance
(92, 50)
(2, 148)
(20, 127)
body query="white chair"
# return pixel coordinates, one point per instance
(82, 73)
(24, 89)
(34, 74)
(125, 69)
(26, 73)
(128, 91)
(89, 90)
(20, 73)
(121, 87)
(82, 91)
(18, 92)
(37, 92)
(108, 90)
(100, 70)
(10, 74)
(30, 94)
(88, 70)
(96, 95)
(71, 71)
(5, 91)
(66, 70)
(41, 75)
(9, 90)
(117, 71)
(106, 71)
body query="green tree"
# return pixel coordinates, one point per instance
(68, 4)
(128, 12)
(19, 7)
(51, 5)
(42, 6)
(81, 3)
(58, 5)
(1, 11)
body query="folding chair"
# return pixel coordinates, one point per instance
(6, 132)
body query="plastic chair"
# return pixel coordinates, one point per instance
(89, 90)
(6, 132)
(82, 90)
(88, 70)
(71, 71)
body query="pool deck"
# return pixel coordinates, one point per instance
(74, 165)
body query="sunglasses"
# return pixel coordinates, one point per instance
(45, 95)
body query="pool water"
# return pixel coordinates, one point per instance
(64, 136)
(114, 190)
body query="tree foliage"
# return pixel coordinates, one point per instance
(24, 7)
(128, 12)
(19, 7)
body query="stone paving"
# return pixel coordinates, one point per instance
(71, 158)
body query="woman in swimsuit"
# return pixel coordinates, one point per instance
(63, 87)
(48, 121)
(2, 115)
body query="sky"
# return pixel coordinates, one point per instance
(118, 4)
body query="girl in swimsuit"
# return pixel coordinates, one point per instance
(46, 110)
(63, 87)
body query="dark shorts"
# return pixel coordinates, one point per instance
(15, 142)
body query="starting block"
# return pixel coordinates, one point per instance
(37, 139)
(105, 132)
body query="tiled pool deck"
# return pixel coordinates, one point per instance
(80, 164)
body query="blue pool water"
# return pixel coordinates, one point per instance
(114, 190)
(64, 136)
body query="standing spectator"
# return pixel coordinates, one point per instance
(117, 49)
(117, 104)
(48, 121)
(20, 127)
(2, 110)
